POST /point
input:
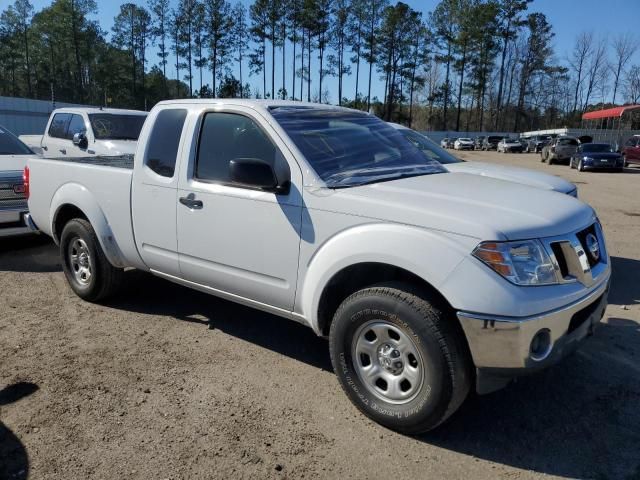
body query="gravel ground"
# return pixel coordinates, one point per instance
(165, 382)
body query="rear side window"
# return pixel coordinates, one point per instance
(567, 141)
(164, 141)
(227, 136)
(58, 127)
(76, 125)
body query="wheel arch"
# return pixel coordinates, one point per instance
(75, 201)
(365, 255)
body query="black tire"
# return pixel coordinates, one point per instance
(624, 161)
(542, 159)
(103, 278)
(438, 341)
(571, 166)
(580, 166)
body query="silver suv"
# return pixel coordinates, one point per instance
(559, 149)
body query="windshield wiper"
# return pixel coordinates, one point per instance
(388, 178)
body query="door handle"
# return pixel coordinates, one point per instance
(191, 202)
(63, 151)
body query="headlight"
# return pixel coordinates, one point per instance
(587, 159)
(523, 263)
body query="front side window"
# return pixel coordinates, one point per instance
(12, 145)
(58, 127)
(165, 140)
(76, 125)
(349, 148)
(228, 136)
(107, 126)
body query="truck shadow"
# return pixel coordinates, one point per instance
(579, 419)
(29, 253)
(153, 295)
(625, 283)
(14, 460)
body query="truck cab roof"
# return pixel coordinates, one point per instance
(110, 111)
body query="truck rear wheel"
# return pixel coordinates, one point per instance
(398, 358)
(85, 266)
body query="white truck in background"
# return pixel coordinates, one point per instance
(13, 199)
(427, 282)
(87, 131)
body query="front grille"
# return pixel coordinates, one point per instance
(583, 315)
(582, 237)
(572, 258)
(562, 261)
(9, 199)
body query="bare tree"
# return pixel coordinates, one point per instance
(597, 65)
(581, 52)
(624, 46)
(632, 84)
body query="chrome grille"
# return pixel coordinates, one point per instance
(8, 197)
(571, 257)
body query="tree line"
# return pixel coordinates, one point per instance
(467, 65)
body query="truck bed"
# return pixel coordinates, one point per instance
(100, 186)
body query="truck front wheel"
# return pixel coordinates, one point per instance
(398, 357)
(85, 266)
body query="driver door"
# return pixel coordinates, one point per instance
(231, 238)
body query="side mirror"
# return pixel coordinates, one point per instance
(80, 140)
(256, 173)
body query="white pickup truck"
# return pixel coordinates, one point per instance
(428, 283)
(13, 200)
(87, 131)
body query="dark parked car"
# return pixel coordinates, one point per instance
(536, 143)
(631, 151)
(595, 156)
(477, 142)
(491, 142)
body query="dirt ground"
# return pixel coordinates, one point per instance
(165, 382)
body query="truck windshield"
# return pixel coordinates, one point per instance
(108, 126)
(349, 148)
(11, 145)
(430, 149)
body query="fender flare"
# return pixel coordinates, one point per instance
(430, 255)
(78, 196)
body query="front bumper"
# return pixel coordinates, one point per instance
(598, 165)
(501, 347)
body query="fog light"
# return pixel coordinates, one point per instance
(541, 345)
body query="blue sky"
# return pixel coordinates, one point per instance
(568, 17)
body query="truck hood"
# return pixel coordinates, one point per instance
(514, 174)
(471, 205)
(13, 162)
(115, 147)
